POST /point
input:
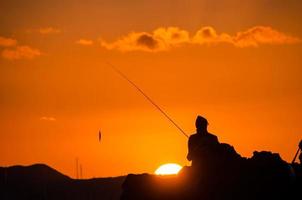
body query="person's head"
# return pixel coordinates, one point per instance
(201, 124)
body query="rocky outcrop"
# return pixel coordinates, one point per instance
(222, 174)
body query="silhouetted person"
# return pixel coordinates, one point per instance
(200, 141)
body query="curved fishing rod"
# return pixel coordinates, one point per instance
(147, 97)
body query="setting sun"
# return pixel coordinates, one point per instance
(168, 169)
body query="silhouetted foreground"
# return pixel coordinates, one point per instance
(40, 182)
(223, 175)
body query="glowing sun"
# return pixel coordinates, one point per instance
(168, 169)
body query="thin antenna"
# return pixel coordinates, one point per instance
(148, 98)
(77, 168)
(81, 172)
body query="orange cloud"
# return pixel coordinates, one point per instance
(163, 39)
(263, 35)
(208, 35)
(20, 52)
(134, 42)
(49, 30)
(7, 42)
(48, 118)
(45, 30)
(172, 36)
(160, 39)
(84, 42)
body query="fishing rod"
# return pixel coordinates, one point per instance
(299, 149)
(296, 155)
(147, 97)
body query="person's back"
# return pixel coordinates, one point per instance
(200, 141)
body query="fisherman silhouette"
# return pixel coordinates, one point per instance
(200, 141)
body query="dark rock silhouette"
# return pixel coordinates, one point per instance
(42, 182)
(224, 175)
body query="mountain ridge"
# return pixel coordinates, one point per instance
(39, 181)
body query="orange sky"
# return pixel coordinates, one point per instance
(236, 63)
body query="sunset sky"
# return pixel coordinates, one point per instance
(238, 63)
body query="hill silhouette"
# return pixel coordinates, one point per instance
(39, 173)
(40, 181)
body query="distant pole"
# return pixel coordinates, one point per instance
(77, 168)
(81, 172)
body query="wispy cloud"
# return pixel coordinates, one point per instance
(45, 30)
(7, 42)
(84, 42)
(48, 118)
(21, 52)
(13, 51)
(163, 39)
(49, 30)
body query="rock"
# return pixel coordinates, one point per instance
(221, 173)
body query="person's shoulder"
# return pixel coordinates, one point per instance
(212, 136)
(192, 137)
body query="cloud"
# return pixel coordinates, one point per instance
(208, 35)
(48, 118)
(133, 42)
(7, 42)
(160, 39)
(163, 39)
(49, 30)
(84, 42)
(12, 51)
(263, 35)
(171, 36)
(20, 52)
(45, 30)
(147, 41)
